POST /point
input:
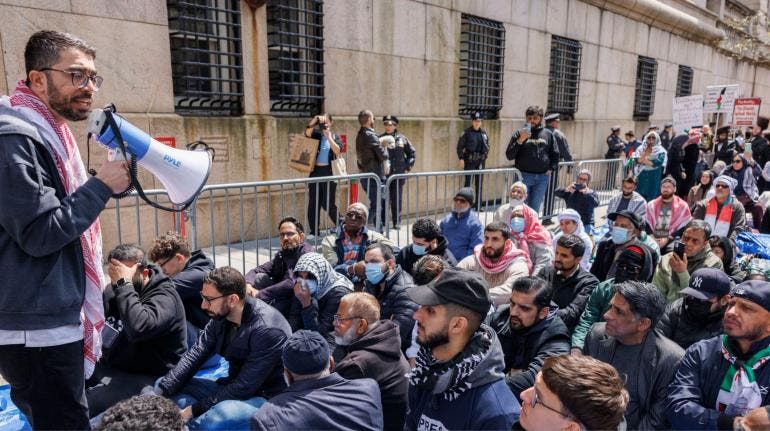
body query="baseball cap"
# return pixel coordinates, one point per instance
(756, 291)
(454, 286)
(706, 283)
(634, 217)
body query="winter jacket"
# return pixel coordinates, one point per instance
(670, 283)
(152, 331)
(583, 203)
(737, 221)
(332, 286)
(254, 355)
(565, 155)
(692, 394)
(402, 155)
(280, 269)
(570, 294)
(526, 350)
(369, 153)
(40, 227)
(607, 253)
(746, 179)
(189, 284)
(537, 155)
(658, 360)
(501, 283)
(463, 232)
(328, 403)
(487, 404)
(406, 257)
(377, 355)
(333, 250)
(473, 145)
(686, 330)
(395, 303)
(615, 147)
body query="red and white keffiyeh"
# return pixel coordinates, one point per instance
(73, 174)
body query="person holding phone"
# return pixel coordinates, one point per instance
(692, 252)
(581, 198)
(323, 195)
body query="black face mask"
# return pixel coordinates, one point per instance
(627, 271)
(695, 308)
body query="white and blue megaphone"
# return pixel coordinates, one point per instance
(183, 173)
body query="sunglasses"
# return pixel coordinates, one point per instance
(721, 186)
(737, 161)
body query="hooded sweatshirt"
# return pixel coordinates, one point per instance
(377, 355)
(189, 284)
(484, 402)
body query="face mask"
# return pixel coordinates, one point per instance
(619, 235)
(696, 308)
(517, 224)
(419, 250)
(311, 285)
(374, 272)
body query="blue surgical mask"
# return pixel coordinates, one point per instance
(419, 250)
(517, 224)
(619, 235)
(374, 272)
(310, 284)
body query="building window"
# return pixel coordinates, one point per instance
(564, 76)
(295, 56)
(644, 99)
(206, 58)
(684, 81)
(482, 45)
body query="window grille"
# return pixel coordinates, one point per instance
(564, 76)
(684, 81)
(206, 58)
(482, 47)
(295, 56)
(644, 99)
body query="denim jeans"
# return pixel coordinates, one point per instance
(225, 415)
(537, 185)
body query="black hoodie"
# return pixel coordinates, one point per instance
(151, 322)
(377, 355)
(406, 258)
(189, 283)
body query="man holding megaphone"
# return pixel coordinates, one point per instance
(51, 311)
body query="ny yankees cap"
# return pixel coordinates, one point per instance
(706, 283)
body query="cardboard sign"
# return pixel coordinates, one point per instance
(302, 152)
(687, 113)
(720, 98)
(746, 111)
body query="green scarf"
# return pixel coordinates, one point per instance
(739, 391)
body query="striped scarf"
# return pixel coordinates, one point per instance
(739, 391)
(62, 146)
(720, 223)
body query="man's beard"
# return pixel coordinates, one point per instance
(496, 253)
(347, 338)
(62, 105)
(666, 195)
(432, 341)
(628, 195)
(289, 246)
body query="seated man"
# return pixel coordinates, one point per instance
(666, 214)
(626, 231)
(249, 334)
(673, 273)
(316, 398)
(698, 314)
(529, 332)
(145, 333)
(723, 212)
(456, 382)
(498, 262)
(721, 379)
(389, 284)
(345, 249)
(462, 227)
(581, 198)
(146, 412)
(518, 195)
(629, 199)
(273, 281)
(646, 360)
(572, 284)
(426, 239)
(372, 350)
(171, 253)
(581, 394)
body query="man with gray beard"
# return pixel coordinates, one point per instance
(372, 350)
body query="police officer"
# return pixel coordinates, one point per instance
(472, 150)
(565, 155)
(615, 148)
(402, 156)
(667, 135)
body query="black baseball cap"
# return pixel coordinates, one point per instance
(756, 291)
(706, 283)
(634, 217)
(464, 288)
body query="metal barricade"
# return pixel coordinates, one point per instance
(563, 178)
(606, 177)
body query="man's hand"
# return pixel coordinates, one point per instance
(114, 174)
(462, 164)
(117, 270)
(678, 264)
(576, 352)
(186, 414)
(523, 136)
(251, 291)
(303, 294)
(570, 188)
(585, 190)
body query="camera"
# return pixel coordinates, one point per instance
(324, 126)
(579, 187)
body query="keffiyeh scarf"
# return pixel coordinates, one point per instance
(739, 391)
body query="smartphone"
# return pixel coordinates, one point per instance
(109, 335)
(527, 128)
(679, 249)
(747, 147)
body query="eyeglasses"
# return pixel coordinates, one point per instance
(721, 186)
(737, 161)
(338, 318)
(80, 79)
(536, 400)
(161, 265)
(354, 216)
(210, 300)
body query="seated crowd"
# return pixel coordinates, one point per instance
(505, 326)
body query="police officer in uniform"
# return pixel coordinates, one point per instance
(472, 150)
(565, 155)
(401, 154)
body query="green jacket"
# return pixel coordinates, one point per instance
(670, 283)
(594, 311)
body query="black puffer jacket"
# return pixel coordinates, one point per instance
(189, 283)
(395, 304)
(685, 330)
(538, 154)
(527, 350)
(570, 294)
(377, 355)
(406, 258)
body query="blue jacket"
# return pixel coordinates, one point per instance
(692, 394)
(41, 258)
(254, 354)
(487, 405)
(463, 232)
(328, 403)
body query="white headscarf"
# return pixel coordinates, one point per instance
(657, 149)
